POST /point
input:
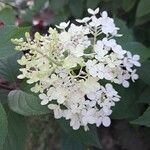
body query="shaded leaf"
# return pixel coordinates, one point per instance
(26, 104)
(57, 5)
(127, 107)
(3, 125)
(128, 4)
(3, 96)
(6, 34)
(86, 137)
(127, 33)
(144, 72)
(17, 132)
(142, 20)
(9, 68)
(76, 7)
(68, 143)
(143, 8)
(145, 96)
(92, 3)
(137, 48)
(7, 16)
(144, 119)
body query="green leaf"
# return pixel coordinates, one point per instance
(144, 72)
(3, 96)
(145, 96)
(3, 125)
(127, 33)
(128, 4)
(68, 143)
(62, 16)
(17, 132)
(57, 5)
(76, 7)
(143, 8)
(92, 3)
(38, 5)
(7, 16)
(6, 34)
(144, 119)
(26, 104)
(142, 20)
(86, 137)
(9, 68)
(137, 48)
(127, 107)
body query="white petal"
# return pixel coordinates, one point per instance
(43, 96)
(136, 63)
(61, 100)
(44, 102)
(98, 121)
(90, 11)
(96, 11)
(125, 84)
(104, 14)
(136, 57)
(106, 121)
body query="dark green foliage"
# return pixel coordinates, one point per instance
(3, 126)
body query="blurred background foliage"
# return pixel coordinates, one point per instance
(131, 116)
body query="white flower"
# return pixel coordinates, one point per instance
(95, 22)
(63, 25)
(91, 67)
(130, 60)
(108, 25)
(134, 59)
(68, 68)
(88, 116)
(44, 98)
(99, 49)
(93, 12)
(123, 79)
(110, 90)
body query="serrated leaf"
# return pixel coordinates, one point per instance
(128, 4)
(76, 7)
(9, 68)
(3, 125)
(92, 3)
(17, 132)
(144, 119)
(144, 72)
(26, 104)
(137, 48)
(68, 143)
(86, 137)
(6, 34)
(143, 8)
(7, 16)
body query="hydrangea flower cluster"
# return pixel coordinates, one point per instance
(68, 65)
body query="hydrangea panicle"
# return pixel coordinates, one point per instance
(68, 66)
